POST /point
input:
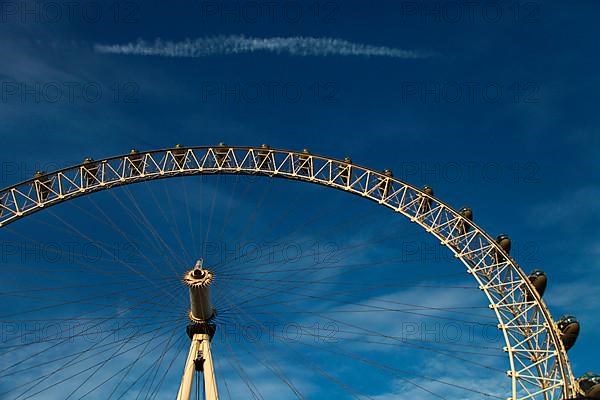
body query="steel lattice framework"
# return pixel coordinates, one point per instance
(539, 367)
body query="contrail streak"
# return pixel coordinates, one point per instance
(223, 45)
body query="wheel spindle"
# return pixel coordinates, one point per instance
(201, 331)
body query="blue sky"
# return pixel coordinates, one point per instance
(496, 112)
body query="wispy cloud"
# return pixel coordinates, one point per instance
(235, 44)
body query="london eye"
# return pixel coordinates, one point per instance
(208, 285)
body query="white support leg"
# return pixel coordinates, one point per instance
(200, 347)
(210, 383)
(185, 389)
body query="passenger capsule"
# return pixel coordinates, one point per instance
(90, 171)
(569, 328)
(345, 170)
(264, 159)
(305, 163)
(43, 185)
(504, 242)
(136, 161)
(179, 154)
(426, 201)
(589, 384)
(539, 280)
(384, 184)
(221, 154)
(466, 213)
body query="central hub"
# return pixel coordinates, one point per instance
(198, 280)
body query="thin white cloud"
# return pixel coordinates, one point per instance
(453, 380)
(235, 44)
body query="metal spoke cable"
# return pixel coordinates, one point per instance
(174, 227)
(48, 375)
(106, 221)
(222, 376)
(146, 227)
(79, 301)
(235, 363)
(344, 386)
(157, 365)
(75, 361)
(187, 202)
(402, 342)
(412, 307)
(330, 229)
(276, 370)
(135, 382)
(266, 285)
(162, 379)
(210, 215)
(346, 254)
(371, 331)
(83, 371)
(119, 313)
(106, 345)
(110, 358)
(127, 367)
(229, 208)
(330, 348)
(286, 291)
(121, 262)
(251, 220)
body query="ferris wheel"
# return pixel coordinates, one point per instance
(180, 314)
